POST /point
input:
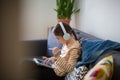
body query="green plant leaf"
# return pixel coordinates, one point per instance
(64, 8)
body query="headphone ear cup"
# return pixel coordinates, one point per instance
(66, 36)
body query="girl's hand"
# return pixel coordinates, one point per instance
(55, 51)
(51, 59)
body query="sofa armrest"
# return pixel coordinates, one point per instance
(116, 61)
(33, 48)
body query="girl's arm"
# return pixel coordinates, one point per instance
(64, 66)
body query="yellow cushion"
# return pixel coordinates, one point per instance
(103, 70)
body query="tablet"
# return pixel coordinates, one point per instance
(41, 62)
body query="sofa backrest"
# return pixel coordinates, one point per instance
(34, 47)
(52, 42)
(82, 35)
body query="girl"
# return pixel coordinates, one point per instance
(64, 59)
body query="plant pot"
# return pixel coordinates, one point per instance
(67, 21)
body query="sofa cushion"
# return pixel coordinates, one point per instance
(52, 42)
(77, 73)
(103, 70)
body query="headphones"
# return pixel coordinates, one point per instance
(66, 35)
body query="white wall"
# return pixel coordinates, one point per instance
(36, 16)
(100, 18)
(97, 17)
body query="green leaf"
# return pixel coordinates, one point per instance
(64, 8)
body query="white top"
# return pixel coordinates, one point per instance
(64, 51)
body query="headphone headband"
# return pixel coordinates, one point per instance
(63, 28)
(66, 35)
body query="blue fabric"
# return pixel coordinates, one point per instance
(92, 49)
(52, 42)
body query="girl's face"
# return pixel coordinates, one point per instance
(60, 39)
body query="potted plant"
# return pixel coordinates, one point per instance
(65, 9)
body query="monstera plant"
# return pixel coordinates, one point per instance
(65, 9)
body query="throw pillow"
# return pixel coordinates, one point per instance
(52, 42)
(102, 70)
(77, 73)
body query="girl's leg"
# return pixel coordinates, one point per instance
(35, 72)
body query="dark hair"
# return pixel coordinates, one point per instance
(59, 32)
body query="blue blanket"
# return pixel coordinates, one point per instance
(92, 49)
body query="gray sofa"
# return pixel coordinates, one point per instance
(40, 48)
